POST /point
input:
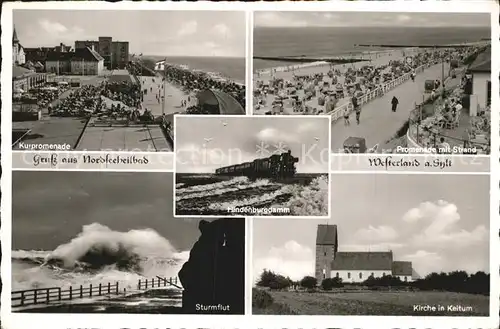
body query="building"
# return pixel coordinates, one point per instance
(83, 61)
(18, 55)
(115, 53)
(326, 249)
(354, 267)
(24, 79)
(480, 95)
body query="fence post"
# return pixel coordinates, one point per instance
(139, 285)
(35, 297)
(22, 298)
(117, 288)
(70, 292)
(109, 288)
(59, 293)
(90, 290)
(146, 284)
(48, 295)
(152, 282)
(100, 289)
(81, 291)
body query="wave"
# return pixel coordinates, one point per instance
(301, 199)
(232, 186)
(98, 255)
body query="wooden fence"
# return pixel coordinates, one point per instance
(157, 283)
(47, 295)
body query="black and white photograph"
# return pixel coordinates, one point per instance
(253, 165)
(392, 82)
(85, 80)
(395, 245)
(104, 242)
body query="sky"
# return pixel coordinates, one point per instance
(204, 144)
(50, 208)
(161, 33)
(376, 19)
(438, 222)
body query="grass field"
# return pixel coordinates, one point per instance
(373, 303)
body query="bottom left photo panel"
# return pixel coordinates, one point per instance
(107, 242)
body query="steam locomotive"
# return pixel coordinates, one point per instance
(276, 166)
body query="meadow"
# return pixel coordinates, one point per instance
(366, 302)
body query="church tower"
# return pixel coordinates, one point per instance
(326, 249)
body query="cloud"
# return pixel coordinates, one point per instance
(372, 247)
(425, 262)
(380, 233)
(274, 136)
(441, 219)
(222, 30)
(196, 158)
(59, 31)
(271, 19)
(291, 259)
(188, 28)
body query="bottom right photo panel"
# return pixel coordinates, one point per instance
(395, 245)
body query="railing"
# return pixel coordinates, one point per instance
(157, 282)
(338, 112)
(47, 295)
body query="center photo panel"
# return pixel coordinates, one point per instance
(252, 166)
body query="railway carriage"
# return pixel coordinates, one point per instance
(276, 166)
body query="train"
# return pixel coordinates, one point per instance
(276, 166)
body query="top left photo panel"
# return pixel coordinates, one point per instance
(112, 80)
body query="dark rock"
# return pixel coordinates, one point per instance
(214, 275)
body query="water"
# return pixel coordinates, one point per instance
(338, 41)
(98, 255)
(231, 67)
(303, 199)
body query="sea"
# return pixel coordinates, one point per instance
(230, 67)
(204, 194)
(81, 228)
(341, 41)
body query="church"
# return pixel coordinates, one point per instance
(354, 267)
(18, 55)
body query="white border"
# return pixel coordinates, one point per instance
(23, 321)
(250, 117)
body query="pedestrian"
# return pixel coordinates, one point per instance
(356, 108)
(346, 117)
(394, 103)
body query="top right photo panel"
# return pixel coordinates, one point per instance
(391, 82)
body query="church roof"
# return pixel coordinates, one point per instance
(402, 268)
(362, 261)
(14, 36)
(327, 235)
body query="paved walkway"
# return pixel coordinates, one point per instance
(378, 122)
(174, 96)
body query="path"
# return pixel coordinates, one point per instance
(174, 96)
(378, 122)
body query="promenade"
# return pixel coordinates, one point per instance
(174, 96)
(378, 122)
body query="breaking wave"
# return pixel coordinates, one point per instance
(98, 255)
(303, 199)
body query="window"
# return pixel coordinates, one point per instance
(349, 275)
(360, 275)
(488, 93)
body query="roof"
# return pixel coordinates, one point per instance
(362, 261)
(14, 36)
(85, 54)
(326, 235)
(18, 71)
(482, 63)
(227, 104)
(402, 268)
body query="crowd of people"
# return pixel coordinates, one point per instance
(321, 92)
(193, 81)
